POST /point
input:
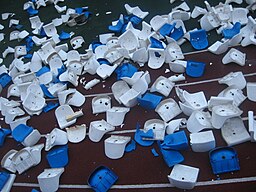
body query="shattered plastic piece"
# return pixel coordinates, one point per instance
(6, 161)
(135, 11)
(178, 66)
(3, 133)
(224, 159)
(140, 136)
(239, 15)
(251, 90)
(183, 176)
(49, 179)
(91, 83)
(56, 137)
(129, 41)
(105, 70)
(154, 152)
(252, 126)
(198, 121)
(21, 132)
(58, 157)
(229, 33)
(101, 104)
(98, 129)
(76, 133)
(202, 141)
(197, 11)
(156, 58)
(214, 101)
(77, 42)
(130, 146)
(50, 29)
(198, 39)
(175, 125)
(7, 51)
(162, 85)
(149, 101)
(195, 69)
(50, 106)
(175, 141)
(62, 113)
(157, 22)
(125, 70)
(69, 76)
(158, 126)
(5, 79)
(234, 79)
(102, 179)
(115, 115)
(8, 184)
(233, 93)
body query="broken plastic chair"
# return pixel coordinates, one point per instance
(76, 133)
(175, 125)
(223, 160)
(195, 69)
(202, 141)
(234, 56)
(183, 176)
(250, 90)
(175, 141)
(249, 40)
(49, 179)
(33, 102)
(252, 126)
(179, 15)
(98, 129)
(115, 116)
(173, 51)
(198, 121)
(58, 157)
(162, 85)
(214, 101)
(178, 66)
(101, 104)
(20, 51)
(229, 33)
(117, 27)
(77, 42)
(158, 126)
(91, 83)
(168, 109)
(143, 137)
(131, 146)
(7, 51)
(149, 101)
(156, 58)
(129, 41)
(234, 132)
(125, 70)
(56, 137)
(6, 161)
(5, 79)
(219, 47)
(50, 29)
(197, 11)
(209, 21)
(115, 145)
(69, 76)
(105, 70)
(198, 39)
(119, 88)
(71, 97)
(129, 98)
(141, 85)
(134, 78)
(157, 22)
(239, 15)
(234, 79)
(233, 93)
(249, 28)
(135, 11)
(101, 179)
(166, 29)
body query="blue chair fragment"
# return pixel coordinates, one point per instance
(4, 177)
(153, 151)
(46, 92)
(139, 135)
(102, 179)
(3, 134)
(223, 160)
(229, 33)
(175, 141)
(28, 56)
(30, 43)
(103, 61)
(42, 32)
(43, 70)
(149, 101)
(198, 39)
(21, 131)
(118, 27)
(95, 44)
(50, 106)
(58, 157)
(125, 70)
(31, 11)
(177, 33)
(156, 43)
(135, 20)
(5, 79)
(64, 35)
(130, 146)
(80, 10)
(166, 29)
(195, 69)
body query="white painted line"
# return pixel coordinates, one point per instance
(149, 186)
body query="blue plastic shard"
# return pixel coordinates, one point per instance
(130, 146)
(31, 11)
(42, 32)
(103, 61)
(177, 33)
(135, 20)
(156, 43)
(46, 92)
(125, 70)
(34, 190)
(58, 157)
(43, 70)
(61, 70)
(139, 135)
(5, 79)
(50, 106)
(30, 43)
(149, 101)
(195, 69)
(175, 141)
(171, 157)
(3, 134)
(102, 179)
(95, 44)
(4, 177)
(80, 10)
(64, 35)
(223, 160)
(229, 33)
(153, 150)
(198, 39)
(118, 27)
(166, 29)
(28, 56)
(21, 131)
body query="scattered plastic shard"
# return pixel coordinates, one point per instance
(158, 126)
(101, 104)
(239, 15)
(4, 176)
(58, 157)
(234, 132)
(177, 33)
(229, 33)
(64, 35)
(175, 141)
(162, 85)
(198, 121)
(129, 41)
(5, 79)
(234, 79)
(214, 101)
(91, 83)
(233, 93)
(135, 11)
(50, 29)
(156, 58)
(102, 179)
(105, 70)
(77, 42)
(125, 70)
(155, 43)
(224, 159)
(178, 66)
(60, 9)
(251, 90)
(49, 179)
(202, 141)
(13, 91)
(22, 35)
(50, 106)
(115, 116)
(115, 146)
(252, 126)
(174, 125)
(234, 56)
(31, 11)
(76, 133)
(197, 11)
(198, 39)
(134, 78)
(33, 102)
(183, 176)
(129, 98)
(157, 22)
(3, 133)
(6, 161)
(130, 146)
(56, 137)
(149, 101)
(117, 27)
(195, 69)
(7, 181)
(98, 129)
(233, 1)
(166, 29)
(140, 136)
(153, 151)
(21, 132)
(69, 76)
(7, 51)
(7, 15)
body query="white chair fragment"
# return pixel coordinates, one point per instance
(179, 15)
(13, 91)
(162, 85)
(202, 141)
(234, 79)
(69, 76)
(115, 116)
(6, 161)
(129, 98)
(219, 47)
(175, 125)
(157, 126)
(173, 52)
(251, 90)
(209, 21)
(35, 21)
(77, 42)
(7, 51)
(55, 88)
(140, 56)
(32, 138)
(129, 41)
(49, 179)
(239, 15)
(50, 29)
(76, 133)
(18, 121)
(22, 35)
(14, 35)
(98, 129)
(156, 58)
(145, 31)
(54, 138)
(132, 80)
(141, 85)
(12, 113)
(235, 56)
(157, 22)
(214, 101)
(233, 93)
(175, 78)
(115, 145)
(119, 88)
(101, 104)
(136, 11)
(34, 102)
(197, 11)
(252, 126)
(198, 121)
(249, 28)
(183, 176)
(105, 70)
(178, 66)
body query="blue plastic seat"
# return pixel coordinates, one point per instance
(3, 134)
(198, 39)
(102, 179)
(58, 157)
(125, 70)
(32, 11)
(229, 33)
(149, 100)
(166, 29)
(177, 33)
(64, 35)
(3, 179)
(21, 131)
(139, 135)
(175, 141)
(5, 79)
(50, 106)
(224, 159)
(156, 43)
(195, 69)
(118, 27)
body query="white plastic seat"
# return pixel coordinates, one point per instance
(175, 125)
(49, 179)
(12, 113)
(46, 52)
(7, 51)
(104, 37)
(129, 98)
(235, 40)
(105, 70)
(39, 41)
(55, 63)
(35, 21)
(221, 113)
(54, 138)
(179, 14)
(234, 132)
(252, 126)
(198, 121)
(57, 22)
(13, 91)
(202, 141)
(209, 21)
(22, 35)
(196, 100)
(129, 41)
(157, 126)
(20, 65)
(130, 27)
(50, 29)
(6, 161)
(119, 88)
(173, 52)
(14, 35)
(36, 89)
(76, 133)
(239, 15)
(115, 116)
(61, 113)
(100, 51)
(183, 6)
(249, 28)
(115, 145)
(197, 11)
(251, 90)
(162, 85)
(234, 56)
(17, 121)
(135, 77)
(91, 66)
(219, 47)
(178, 66)
(36, 63)
(71, 97)
(175, 78)
(136, 11)
(218, 101)
(156, 58)
(168, 109)
(140, 56)
(55, 88)
(114, 56)
(77, 42)
(145, 31)
(183, 176)
(101, 104)
(157, 22)
(249, 40)
(141, 85)
(20, 51)
(234, 79)
(69, 76)
(34, 102)
(6, 105)
(233, 93)
(98, 129)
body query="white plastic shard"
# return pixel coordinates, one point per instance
(234, 56)
(50, 29)
(214, 101)
(249, 40)
(132, 80)
(76, 133)
(183, 6)
(140, 56)
(198, 121)
(115, 116)
(49, 179)
(27, 158)
(46, 52)
(7, 51)
(6, 105)
(233, 1)
(175, 125)
(71, 97)
(129, 41)
(132, 29)
(119, 88)
(183, 176)
(233, 93)
(115, 145)
(14, 35)
(141, 85)
(69, 76)
(77, 42)
(7, 15)
(40, 3)
(234, 79)
(168, 109)
(162, 85)
(62, 113)
(104, 37)
(175, 78)
(105, 70)
(13, 91)
(156, 58)
(60, 9)
(157, 126)
(91, 83)
(32, 138)
(135, 11)
(6, 161)
(209, 21)
(98, 129)
(178, 14)
(197, 11)
(13, 22)
(55, 88)
(22, 35)
(219, 47)
(157, 22)
(251, 91)
(249, 28)
(57, 22)
(35, 21)
(91, 66)
(202, 141)
(239, 15)
(39, 41)
(235, 40)
(17, 121)
(221, 113)
(129, 98)
(8, 185)
(234, 132)
(173, 51)
(100, 51)
(252, 126)
(145, 31)
(101, 104)
(12, 113)
(33, 102)
(178, 66)
(54, 138)
(114, 56)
